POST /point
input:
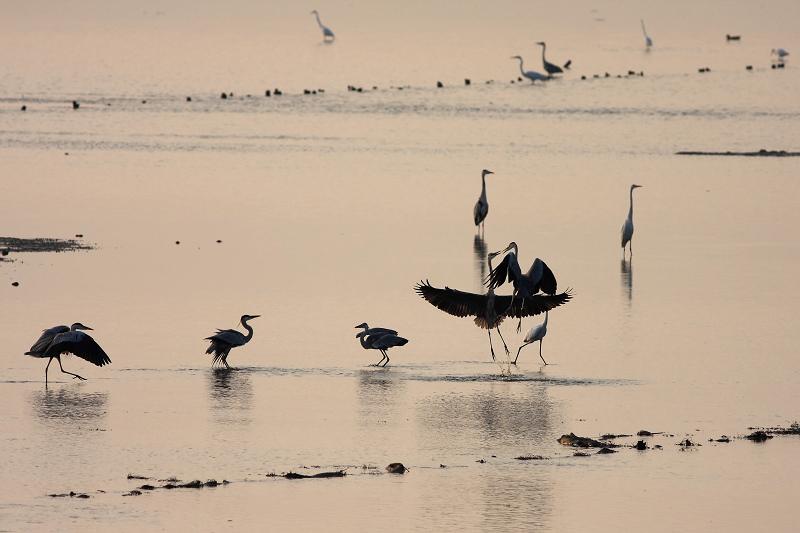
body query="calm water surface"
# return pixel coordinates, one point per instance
(330, 207)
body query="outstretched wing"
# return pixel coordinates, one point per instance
(541, 278)
(79, 344)
(40, 346)
(451, 301)
(498, 274)
(537, 304)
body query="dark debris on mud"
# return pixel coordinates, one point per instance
(584, 442)
(760, 153)
(15, 245)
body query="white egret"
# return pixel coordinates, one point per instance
(225, 339)
(481, 208)
(626, 231)
(530, 74)
(534, 334)
(60, 340)
(647, 39)
(549, 67)
(326, 32)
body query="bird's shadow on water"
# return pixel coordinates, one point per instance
(68, 403)
(230, 392)
(626, 277)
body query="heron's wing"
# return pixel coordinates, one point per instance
(537, 304)
(453, 302)
(380, 331)
(542, 278)
(387, 341)
(498, 274)
(228, 336)
(40, 346)
(626, 231)
(79, 344)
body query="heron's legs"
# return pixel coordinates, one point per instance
(520, 349)
(502, 339)
(386, 356)
(64, 371)
(382, 358)
(540, 352)
(490, 344)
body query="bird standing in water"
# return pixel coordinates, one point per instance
(60, 340)
(626, 231)
(225, 339)
(536, 333)
(481, 208)
(379, 339)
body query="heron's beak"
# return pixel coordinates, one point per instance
(254, 316)
(362, 325)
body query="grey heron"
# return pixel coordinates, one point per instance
(626, 231)
(536, 333)
(326, 32)
(539, 277)
(481, 208)
(531, 74)
(647, 39)
(780, 52)
(225, 339)
(379, 339)
(549, 67)
(60, 340)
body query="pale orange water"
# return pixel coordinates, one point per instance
(330, 207)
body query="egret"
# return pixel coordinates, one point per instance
(531, 74)
(549, 67)
(539, 277)
(379, 339)
(225, 339)
(534, 334)
(59, 340)
(481, 206)
(647, 39)
(326, 32)
(626, 231)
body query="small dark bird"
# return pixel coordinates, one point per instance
(24, 107)
(224, 96)
(188, 98)
(225, 339)
(467, 81)
(267, 93)
(567, 64)
(60, 340)
(733, 37)
(75, 105)
(439, 84)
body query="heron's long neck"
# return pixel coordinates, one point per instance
(483, 187)
(520, 66)
(318, 22)
(249, 331)
(630, 212)
(545, 318)
(363, 342)
(544, 47)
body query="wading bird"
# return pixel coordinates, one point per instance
(481, 206)
(379, 339)
(60, 340)
(326, 32)
(626, 231)
(549, 67)
(225, 339)
(539, 277)
(536, 333)
(530, 74)
(488, 309)
(781, 53)
(647, 39)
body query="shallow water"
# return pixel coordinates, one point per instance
(330, 207)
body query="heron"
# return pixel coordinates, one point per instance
(780, 52)
(549, 67)
(626, 231)
(60, 340)
(481, 208)
(379, 339)
(530, 74)
(647, 39)
(488, 309)
(326, 32)
(536, 333)
(539, 277)
(225, 339)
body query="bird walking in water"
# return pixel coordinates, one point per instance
(780, 52)
(60, 340)
(379, 339)
(225, 339)
(549, 67)
(481, 208)
(647, 39)
(536, 333)
(626, 231)
(489, 309)
(530, 74)
(326, 32)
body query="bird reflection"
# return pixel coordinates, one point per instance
(480, 248)
(626, 277)
(68, 403)
(378, 388)
(231, 394)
